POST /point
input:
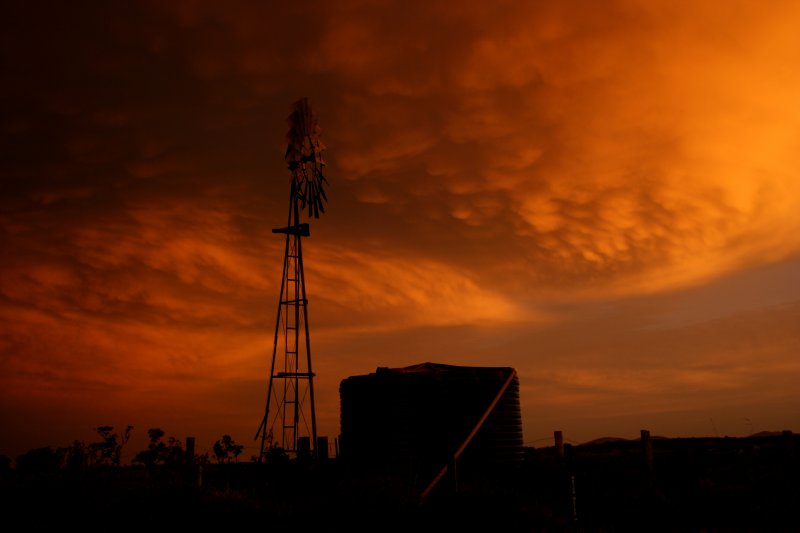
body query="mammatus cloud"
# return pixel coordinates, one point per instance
(631, 148)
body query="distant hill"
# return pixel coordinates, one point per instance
(766, 434)
(603, 440)
(606, 440)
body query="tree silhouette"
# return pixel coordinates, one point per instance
(226, 450)
(47, 460)
(159, 452)
(109, 450)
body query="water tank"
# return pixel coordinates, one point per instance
(416, 417)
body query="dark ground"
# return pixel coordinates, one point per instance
(715, 484)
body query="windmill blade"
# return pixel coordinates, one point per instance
(302, 125)
(304, 158)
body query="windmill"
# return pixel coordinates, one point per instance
(289, 419)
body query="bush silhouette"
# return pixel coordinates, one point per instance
(226, 450)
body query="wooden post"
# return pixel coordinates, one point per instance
(454, 473)
(194, 474)
(569, 468)
(559, 438)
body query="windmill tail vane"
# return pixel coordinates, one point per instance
(304, 149)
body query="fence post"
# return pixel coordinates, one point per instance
(647, 448)
(788, 445)
(190, 451)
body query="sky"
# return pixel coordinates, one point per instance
(603, 196)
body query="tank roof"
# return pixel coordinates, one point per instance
(441, 369)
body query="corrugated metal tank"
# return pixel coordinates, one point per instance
(419, 415)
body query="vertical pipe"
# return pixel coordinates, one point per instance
(295, 364)
(558, 436)
(322, 448)
(308, 344)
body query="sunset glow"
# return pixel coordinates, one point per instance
(604, 196)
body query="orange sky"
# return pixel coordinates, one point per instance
(604, 197)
